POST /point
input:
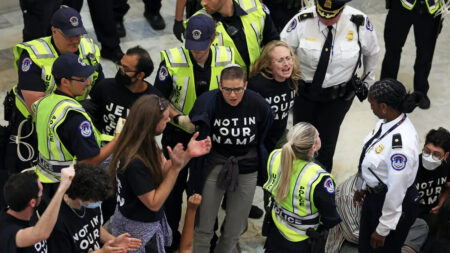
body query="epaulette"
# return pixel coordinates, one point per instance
(397, 141)
(305, 16)
(358, 19)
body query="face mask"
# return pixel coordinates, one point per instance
(429, 163)
(122, 78)
(92, 205)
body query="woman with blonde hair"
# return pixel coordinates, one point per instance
(303, 204)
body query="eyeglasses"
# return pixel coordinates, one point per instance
(282, 60)
(125, 69)
(435, 155)
(83, 80)
(235, 90)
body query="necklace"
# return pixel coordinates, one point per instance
(74, 211)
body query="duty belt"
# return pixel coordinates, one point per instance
(294, 219)
(377, 189)
(52, 167)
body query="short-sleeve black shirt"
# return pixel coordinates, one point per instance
(135, 181)
(280, 97)
(114, 100)
(76, 230)
(9, 226)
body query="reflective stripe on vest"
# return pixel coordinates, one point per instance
(180, 68)
(43, 54)
(297, 212)
(253, 24)
(51, 111)
(432, 5)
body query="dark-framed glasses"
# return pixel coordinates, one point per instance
(81, 80)
(235, 90)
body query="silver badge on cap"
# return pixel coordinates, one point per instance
(196, 34)
(74, 21)
(81, 62)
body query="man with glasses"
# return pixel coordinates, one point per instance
(433, 183)
(33, 61)
(183, 75)
(65, 131)
(237, 121)
(113, 97)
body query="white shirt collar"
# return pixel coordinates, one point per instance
(388, 125)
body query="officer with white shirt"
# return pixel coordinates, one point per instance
(388, 166)
(330, 40)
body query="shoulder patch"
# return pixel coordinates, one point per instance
(305, 16)
(265, 8)
(398, 161)
(85, 129)
(369, 25)
(292, 25)
(163, 73)
(397, 141)
(26, 64)
(329, 185)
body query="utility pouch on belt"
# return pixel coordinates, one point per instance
(8, 105)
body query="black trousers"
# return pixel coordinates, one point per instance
(426, 29)
(36, 17)
(327, 117)
(172, 207)
(102, 16)
(371, 213)
(276, 243)
(121, 8)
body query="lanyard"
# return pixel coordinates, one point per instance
(387, 132)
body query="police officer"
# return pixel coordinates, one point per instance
(282, 11)
(184, 74)
(293, 178)
(388, 166)
(427, 25)
(329, 40)
(243, 25)
(33, 61)
(65, 131)
(36, 17)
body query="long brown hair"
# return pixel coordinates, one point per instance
(137, 139)
(262, 64)
(300, 139)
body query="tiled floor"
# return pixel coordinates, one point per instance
(359, 120)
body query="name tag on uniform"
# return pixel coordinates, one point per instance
(350, 35)
(310, 39)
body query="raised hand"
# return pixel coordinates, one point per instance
(178, 156)
(198, 148)
(194, 201)
(67, 175)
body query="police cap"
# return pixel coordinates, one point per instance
(329, 9)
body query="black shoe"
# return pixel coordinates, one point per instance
(121, 29)
(112, 55)
(424, 102)
(255, 212)
(155, 20)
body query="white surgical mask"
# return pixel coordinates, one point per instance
(429, 162)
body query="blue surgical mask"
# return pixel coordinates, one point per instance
(92, 205)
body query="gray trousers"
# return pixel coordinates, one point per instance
(417, 235)
(238, 207)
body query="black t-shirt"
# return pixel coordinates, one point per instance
(9, 226)
(430, 184)
(77, 135)
(135, 181)
(202, 77)
(114, 100)
(76, 230)
(280, 97)
(235, 128)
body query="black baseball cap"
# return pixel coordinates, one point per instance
(68, 20)
(329, 9)
(68, 65)
(199, 31)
